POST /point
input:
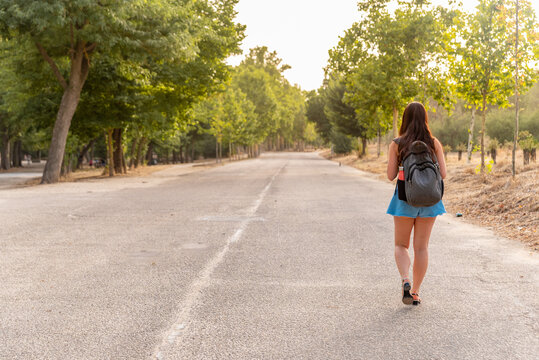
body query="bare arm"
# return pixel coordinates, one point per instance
(392, 165)
(441, 158)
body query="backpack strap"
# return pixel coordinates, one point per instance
(433, 157)
(398, 141)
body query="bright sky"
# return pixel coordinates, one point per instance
(302, 32)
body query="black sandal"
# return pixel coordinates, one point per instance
(417, 299)
(407, 298)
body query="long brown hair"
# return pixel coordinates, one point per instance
(415, 126)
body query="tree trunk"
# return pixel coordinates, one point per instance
(140, 148)
(379, 150)
(70, 164)
(124, 163)
(16, 153)
(18, 160)
(182, 158)
(216, 151)
(13, 153)
(470, 135)
(110, 157)
(493, 154)
(363, 146)
(83, 153)
(68, 105)
(483, 122)
(533, 154)
(515, 135)
(149, 154)
(118, 151)
(133, 153)
(21, 155)
(395, 120)
(6, 149)
(89, 154)
(526, 153)
(460, 154)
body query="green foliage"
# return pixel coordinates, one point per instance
(150, 62)
(393, 55)
(501, 122)
(311, 135)
(530, 122)
(342, 143)
(316, 114)
(257, 104)
(526, 141)
(451, 129)
(387, 59)
(493, 145)
(501, 125)
(488, 167)
(529, 116)
(482, 56)
(339, 113)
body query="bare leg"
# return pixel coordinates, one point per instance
(403, 229)
(422, 230)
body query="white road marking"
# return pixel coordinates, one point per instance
(203, 280)
(229, 218)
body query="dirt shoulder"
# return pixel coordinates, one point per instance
(25, 177)
(508, 206)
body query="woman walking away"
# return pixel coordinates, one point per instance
(414, 134)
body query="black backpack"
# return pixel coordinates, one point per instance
(423, 185)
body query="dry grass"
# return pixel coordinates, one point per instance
(509, 206)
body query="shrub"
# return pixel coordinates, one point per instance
(342, 143)
(528, 144)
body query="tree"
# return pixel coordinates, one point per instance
(483, 60)
(67, 34)
(391, 55)
(315, 113)
(343, 115)
(173, 51)
(25, 100)
(526, 40)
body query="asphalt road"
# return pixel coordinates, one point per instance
(288, 256)
(18, 176)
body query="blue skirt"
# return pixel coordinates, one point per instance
(398, 207)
